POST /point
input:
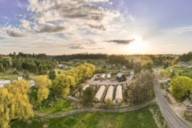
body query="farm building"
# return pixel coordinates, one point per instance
(100, 93)
(119, 94)
(108, 76)
(121, 77)
(32, 83)
(109, 95)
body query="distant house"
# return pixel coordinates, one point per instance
(108, 75)
(19, 78)
(32, 83)
(4, 82)
(121, 77)
(62, 66)
(103, 76)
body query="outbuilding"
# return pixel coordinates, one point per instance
(119, 94)
(108, 75)
(109, 95)
(100, 93)
(121, 77)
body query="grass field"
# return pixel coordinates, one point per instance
(178, 71)
(6, 76)
(60, 105)
(137, 119)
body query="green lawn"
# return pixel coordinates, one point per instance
(181, 71)
(137, 119)
(60, 105)
(6, 76)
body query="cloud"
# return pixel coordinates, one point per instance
(83, 44)
(14, 32)
(72, 15)
(121, 41)
(71, 26)
(179, 30)
(49, 27)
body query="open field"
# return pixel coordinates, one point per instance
(179, 71)
(5, 76)
(60, 105)
(137, 119)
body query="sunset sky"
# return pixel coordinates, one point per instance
(96, 26)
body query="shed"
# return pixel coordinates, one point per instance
(119, 94)
(100, 93)
(108, 75)
(109, 95)
(121, 77)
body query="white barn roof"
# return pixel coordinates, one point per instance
(100, 93)
(109, 95)
(119, 94)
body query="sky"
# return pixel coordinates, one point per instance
(96, 26)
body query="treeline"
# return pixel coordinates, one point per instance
(39, 64)
(80, 56)
(186, 57)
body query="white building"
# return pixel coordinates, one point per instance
(32, 83)
(108, 76)
(4, 82)
(109, 95)
(100, 93)
(119, 94)
(103, 75)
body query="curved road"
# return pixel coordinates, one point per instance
(82, 110)
(170, 116)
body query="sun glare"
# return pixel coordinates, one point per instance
(138, 46)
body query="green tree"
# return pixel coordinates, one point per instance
(70, 79)
(87, 97)
(52, 75)
(181, 87)
(61, 86)
(141, 89)
(14, 103)
(43, 84)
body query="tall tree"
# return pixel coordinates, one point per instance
(181, 87)
(43, 84)
(14, 103)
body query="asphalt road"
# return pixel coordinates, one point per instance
(170, 116)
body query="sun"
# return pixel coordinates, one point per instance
(138, 46)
